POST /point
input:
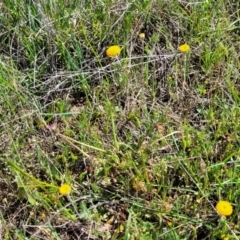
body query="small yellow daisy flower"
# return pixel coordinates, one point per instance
(64, 189)
(169, 224)
(224, 237)
(113, 51)
(141, 35)
(184, 48)
(224, 208)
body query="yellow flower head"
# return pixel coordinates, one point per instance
(184, 48)
(64, 189)
(224, 208)
(113, 51)
(141, 35)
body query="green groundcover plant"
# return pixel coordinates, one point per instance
(119, 119)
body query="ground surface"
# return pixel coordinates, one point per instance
(148, 141)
